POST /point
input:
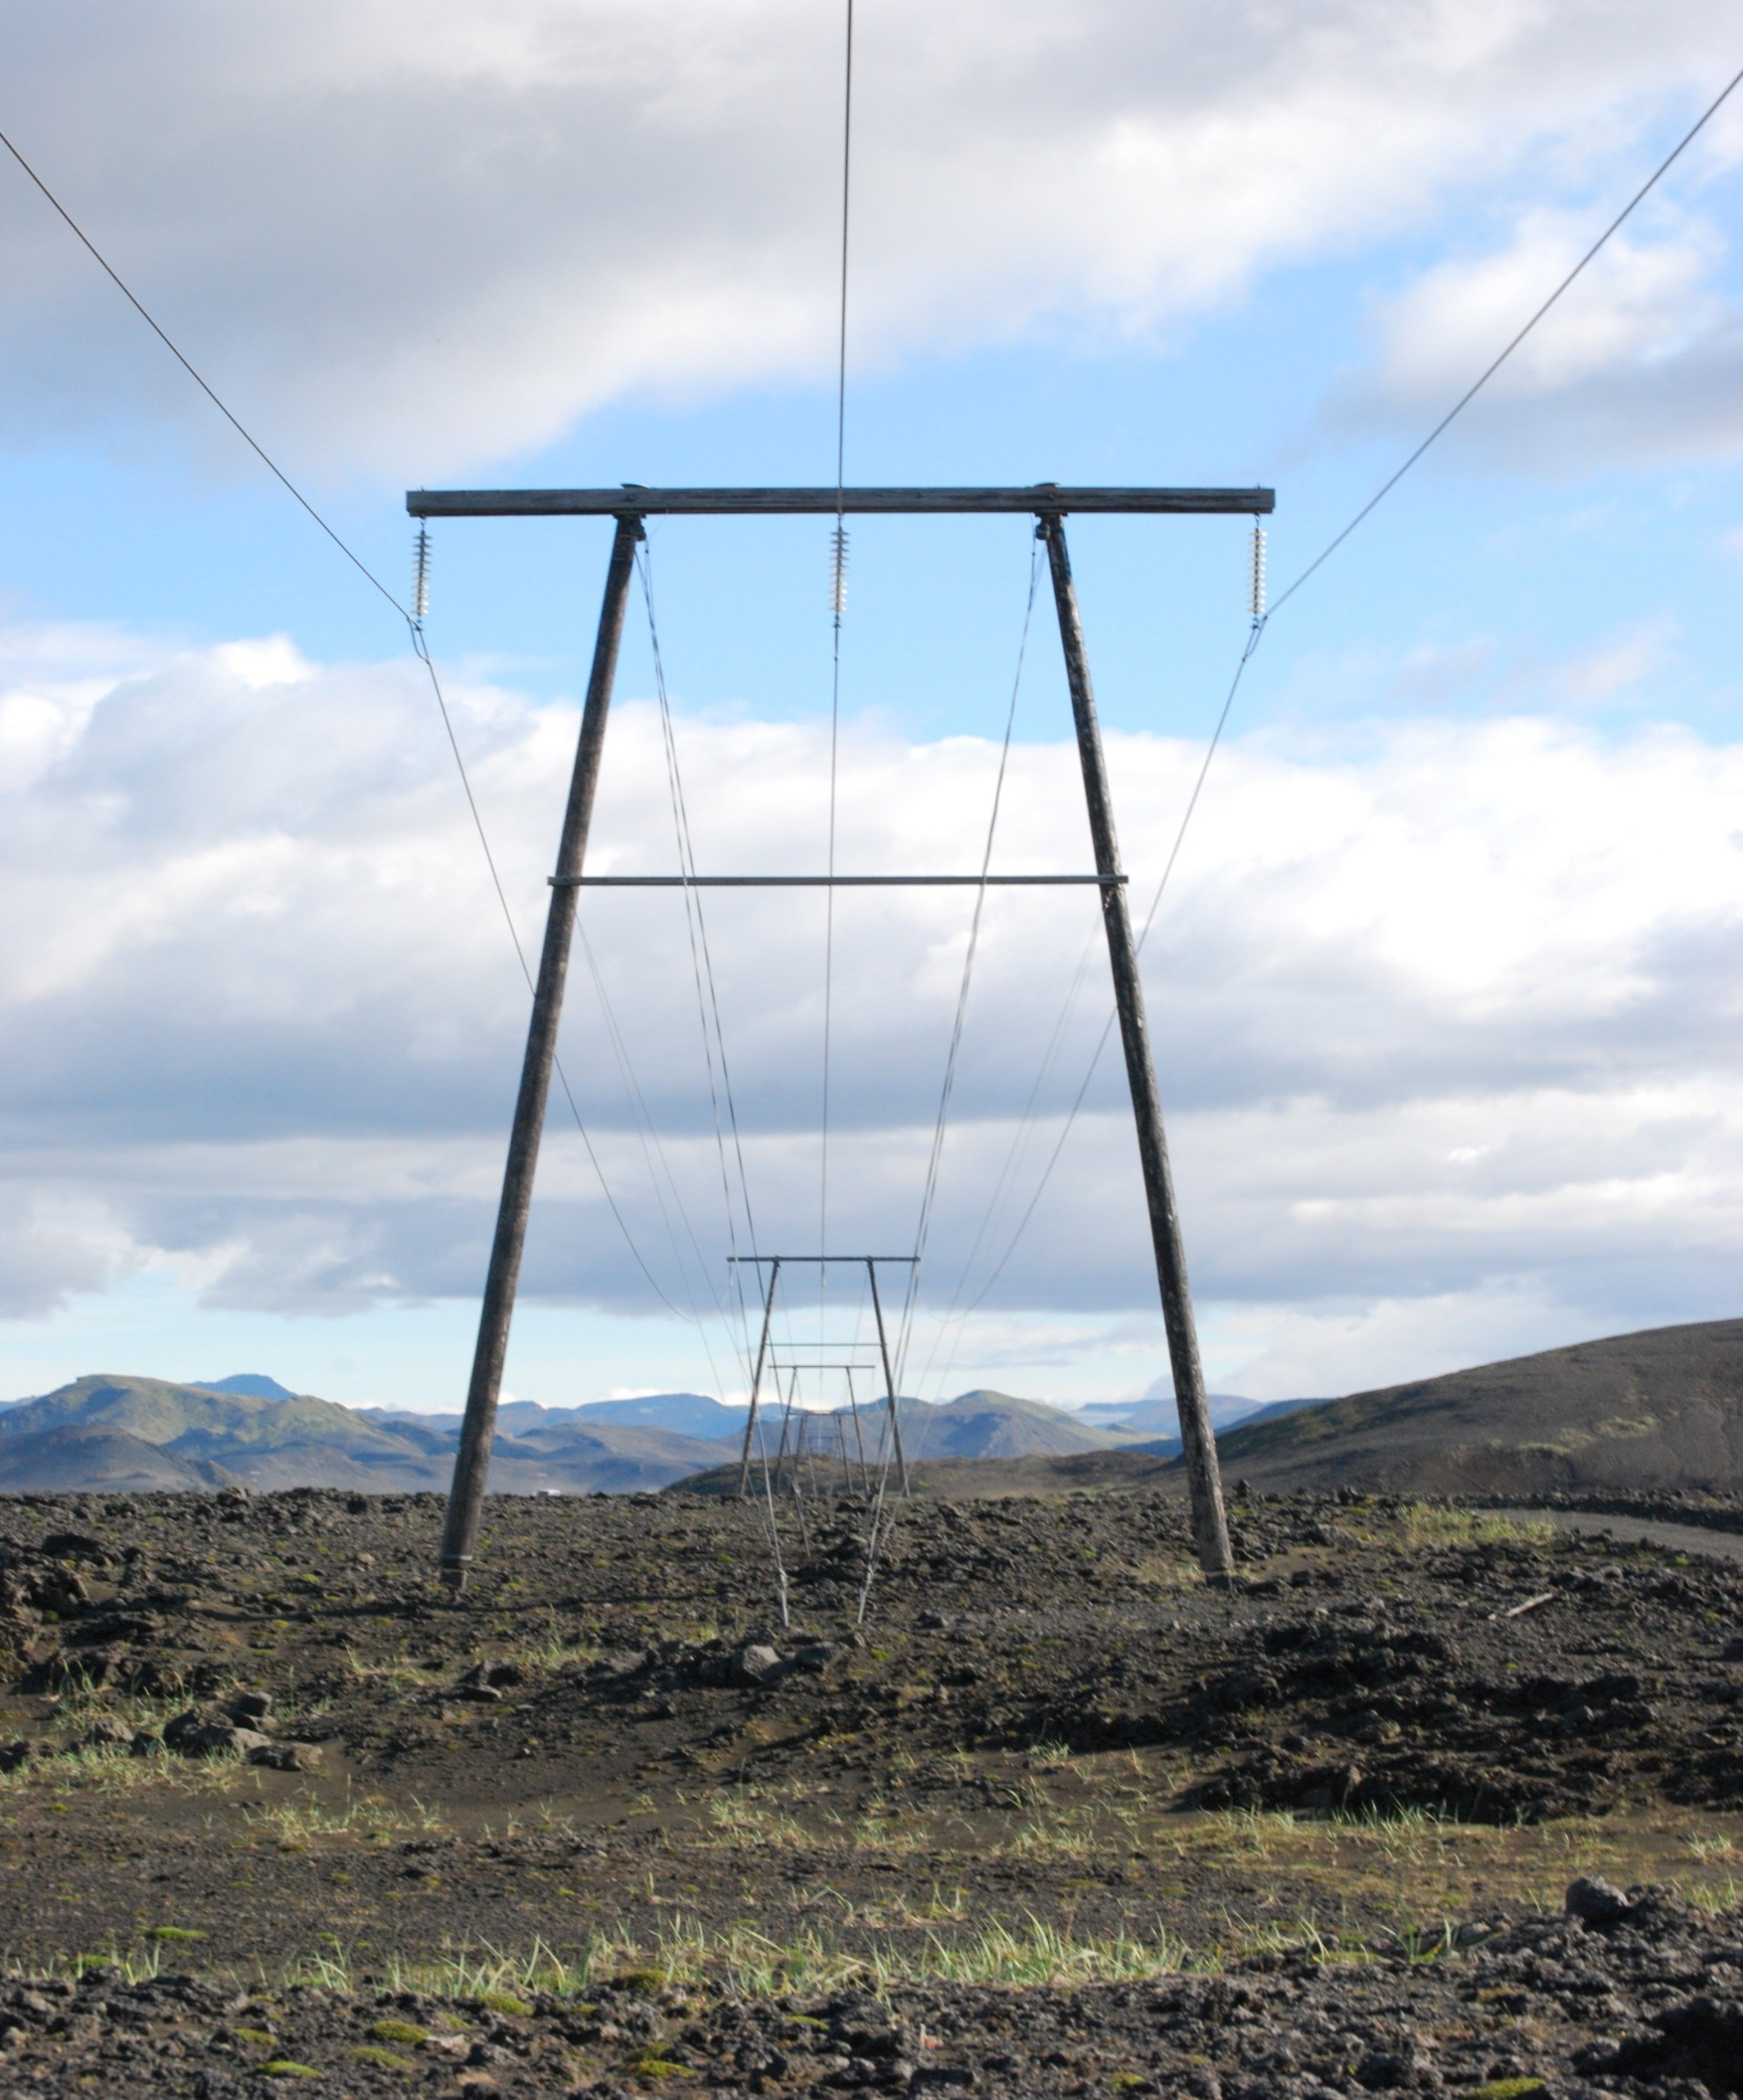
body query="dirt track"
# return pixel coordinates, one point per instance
(1640, 1530)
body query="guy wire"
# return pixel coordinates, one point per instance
(701, 965)
(1263, 617)
(877, 1536)
(838, 606)
(414, 626)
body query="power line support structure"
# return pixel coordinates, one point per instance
(1198, 1439)
(774, 1263)
(472, 1465)
(1050, 504)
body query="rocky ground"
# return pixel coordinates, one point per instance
(1062, 1811)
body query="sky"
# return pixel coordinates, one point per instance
(1444, 985)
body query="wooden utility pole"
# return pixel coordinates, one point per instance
(471, 1467)
(1050, 503)
(1198, 1439)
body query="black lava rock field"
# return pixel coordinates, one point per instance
(1054, 1816)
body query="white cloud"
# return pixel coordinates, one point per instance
(413, 237)
(1641, 360)
(1446, 1021)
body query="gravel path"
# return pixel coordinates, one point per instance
(1678, 1538)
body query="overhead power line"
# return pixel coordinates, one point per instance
(414, 624)
(1262, 620)
(1489, 370)
(235, 421)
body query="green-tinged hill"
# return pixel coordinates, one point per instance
(180, 1416)
(1658, 1410)
(74, 1460)
(977, 1430)
(199, 1436)
(983, 1424)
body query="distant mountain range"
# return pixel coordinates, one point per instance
(1660, 1409)
(1159, 1418)
(126, 1433)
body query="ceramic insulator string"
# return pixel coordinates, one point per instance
(1256, 580)
(420, 574)
(839, 570)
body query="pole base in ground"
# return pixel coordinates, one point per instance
(456, 1578)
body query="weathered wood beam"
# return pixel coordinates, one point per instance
(1040, 499)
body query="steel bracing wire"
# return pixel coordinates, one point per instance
(877, 1531)
(837, 606)
(702, 965)
(1262, 623)
(414, 626)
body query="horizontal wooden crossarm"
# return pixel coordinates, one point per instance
(826, 881)
(786, 1260)
(1040, 499)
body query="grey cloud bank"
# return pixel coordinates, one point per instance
(1442, 1021)
(488, 221)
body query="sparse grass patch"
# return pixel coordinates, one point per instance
(295, 1823)
(734, 1820)
(112, 1768)
(1431, 1525)
(1069, 1833)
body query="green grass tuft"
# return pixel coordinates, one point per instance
(500, 2001)
(403, 2032)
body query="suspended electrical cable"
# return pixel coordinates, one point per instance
(701, 964)
(421, 649)
(929, 1192)
(837, 606)
(655, 1159)
(878, 1530)
(1263, 615)
(1143, 935)
(259, 450)
(1489, 370)
(412, 616)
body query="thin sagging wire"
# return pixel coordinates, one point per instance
(838, 606)
(421, 649)
(878, 1530)
(701, 964)
(414, 627)
(1263, 618)
(929, 1193)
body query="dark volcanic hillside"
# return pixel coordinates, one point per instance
(1661, 1408)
